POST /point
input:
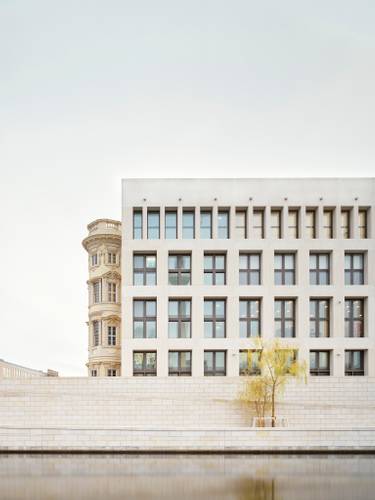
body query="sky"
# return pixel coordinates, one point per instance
(94, 91)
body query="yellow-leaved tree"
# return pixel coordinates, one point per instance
(274, 364)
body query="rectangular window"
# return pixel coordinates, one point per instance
(111, 373)
(153, 224)
(354, 269)
(285, 318)
(249, 318)
(179, 269)
(276, 223)
(328, 223)
(258, 223)
(94, 373)
(354, 321)
(96, 332)
(144, 269)
(250, 269)
(94, 259)
(179, 319)
(345, 223)
(249, 362)
(111, 258)
(223, 224)
(188, 226)
(214, 363)
(206, 224)
(137, 225)
(170, 224)
(112, 292)
(214, 318)
(354, 362)
(179, 363)
(112, 334)
(214, 269)
(241, 223)
(293, 223)
(285, 269)
(310, 223)
(144, 319)
(319, 269)
(319, 318)
(362, 223)
(97, 292)
(319, 363)
(144, 363)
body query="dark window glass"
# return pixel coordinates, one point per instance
(328, 223)
(319, 318)
(179, 363)
(293, 223)
(354, 320)
(206, 224)
(179, 318)
(319, 363)
(285, 269)
(241, 221)
(319, 269)
(249, 318)
(249, 270)
(223, 224)
(188, 226)
(214, 269)
(354, 363)
(96, 332)
(137, 224)
(285, 318)
(144, 363)
(214, 318)
(362, 223)
(258, 223)
(144, 269)
(345, 224)
(170, 225)
(276, 223)
(179, 269)
(112, 334)
(310, 223)
(214, 363)
(153, 224)
(144, 319)
(354, 269)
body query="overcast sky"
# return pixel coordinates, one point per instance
(93, 91)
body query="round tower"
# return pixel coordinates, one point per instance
(103, 245)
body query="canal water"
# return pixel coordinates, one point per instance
(177, 477)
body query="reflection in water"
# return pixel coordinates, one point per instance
(176, 477)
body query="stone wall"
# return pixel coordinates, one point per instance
(180, 413)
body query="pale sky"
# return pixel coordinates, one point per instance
(93, 91)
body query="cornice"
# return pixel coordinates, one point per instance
(114, 238)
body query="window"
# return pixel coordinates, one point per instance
(250, 269)
(319, 363)
(223, 224)
(319, 269)
(276, 223)
(94, 373)
(96, 332)
(258, 223)
(97, 292)
(137, 225)
(249, 362)
(293, 223)
(179, 269)
(153, 224)
(249, 318)
(179, 363)
(111, 372)
(144, 269)
(214, 318)
(354, 362)
(328, 223)
(112, 292)
(171, 224)
(285, 269)
(112, 331)
(214, 269)
(188, 226)
(345, 223)
(144, 363)
(214, 363)
(354, 269)
(111, 258)
(319, 318)
(179, 319)
(285, 318)
(94, 259)
(362, 223)
(206, 224)
(354, 318)
(310, 223)
(144, 319)
(241, 222)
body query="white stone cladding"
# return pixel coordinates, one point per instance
(303, 194)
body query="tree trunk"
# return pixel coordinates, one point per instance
(273, 407)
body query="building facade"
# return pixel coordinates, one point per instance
(103, 245)
(210, 265)
(12, 370)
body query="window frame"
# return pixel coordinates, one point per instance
(112, 335)
(179, 371)
(351, 270)
(283, 271)
(189, 212)
(293, 230)
(96, 331)
(180, 319)
(137, 216)
(151, 212)
(213, 271)
(320, 271)
(144, 318)
(223, 232)
(144, 371)
(351, 370)
(254, 370)
(205, 212)
(258, 212)
(328, 228)
(174, 227)
(145, 270)
(215, 372)
(214, 319)
(276, 228)
(250, 272)
(363, 227)
(352, 319)
(283, 318)
(316, 319)
(179, 270)
(345, 232)
(241, 229)
(319, 371)
(310, 229)
(249, 320)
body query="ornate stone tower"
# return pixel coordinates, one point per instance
(103, 245)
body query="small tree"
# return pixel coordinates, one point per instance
(277, 364)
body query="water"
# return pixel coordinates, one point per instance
(177, 477)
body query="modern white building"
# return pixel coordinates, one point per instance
(208, 265)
